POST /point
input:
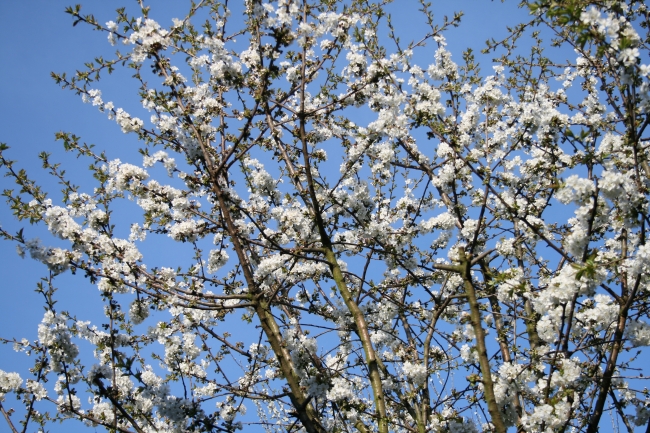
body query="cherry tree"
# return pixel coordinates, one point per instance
(369, 245)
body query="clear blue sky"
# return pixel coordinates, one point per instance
(37, 37)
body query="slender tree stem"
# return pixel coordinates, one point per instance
(479, 332)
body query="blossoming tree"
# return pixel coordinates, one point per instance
(374, 246)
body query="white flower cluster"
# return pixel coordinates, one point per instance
(36, 389)
(261, 181)
(444, 67)
(9, 382)
(125, 177)
(56, 259)
(112, 27)
(94, 96)
(638, 333)
(614, 27)
(576, 189)
(127, 122)
(220, 63)
(415, 372)
(342, 390)
(138, 311)
(148, 37)
(548, 417)
(186, 231)
(54, 333)
(169, 163)
(216, 260)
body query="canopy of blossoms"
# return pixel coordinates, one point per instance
(369, 244)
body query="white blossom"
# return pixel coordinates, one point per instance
(9, 382)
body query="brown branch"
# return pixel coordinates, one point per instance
(484, 361)
(7, 417)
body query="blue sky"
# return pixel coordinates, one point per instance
(37, 37)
